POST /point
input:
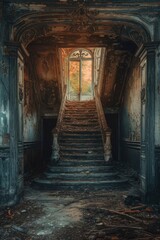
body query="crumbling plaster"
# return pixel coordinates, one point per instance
(131, 106)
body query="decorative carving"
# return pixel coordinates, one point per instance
(28, 36)
(143, 94)
(20, 93)
(83, 19)
(4, 153)
(38, 33)
(137, 35)
(3, 68)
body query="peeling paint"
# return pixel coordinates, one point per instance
(131, 111)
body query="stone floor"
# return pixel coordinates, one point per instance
(80, 215)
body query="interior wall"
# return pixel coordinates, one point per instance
(131, 119)
(41, 100)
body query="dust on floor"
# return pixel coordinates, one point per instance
(80, 215)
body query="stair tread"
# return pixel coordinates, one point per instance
(81, 148)
(79, 169)
(82, 174)
(80, 181)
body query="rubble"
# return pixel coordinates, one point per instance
(77, 215)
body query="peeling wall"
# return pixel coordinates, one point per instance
(4, 92)
(41, 90)
(131, 107)
(130, 123)
(42, 98)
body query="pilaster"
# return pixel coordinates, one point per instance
(149, 170)
(14, 170)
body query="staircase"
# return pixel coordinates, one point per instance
(81, 164)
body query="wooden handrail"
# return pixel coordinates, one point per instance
(106, 131)
(61, 110)
(57, 129)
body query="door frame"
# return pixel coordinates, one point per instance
(80, 59)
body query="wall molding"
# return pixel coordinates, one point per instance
(28, 145)
(132, 144)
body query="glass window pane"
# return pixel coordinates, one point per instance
(86, 85)
(74, 80)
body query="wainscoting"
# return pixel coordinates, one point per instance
(130, 154)
(33, 161)
(157, 157)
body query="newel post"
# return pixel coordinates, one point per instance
(107, 147)
(55, 147)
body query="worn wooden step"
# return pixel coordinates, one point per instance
(84, 148)
(81, 162)
(84, 156)
(82, 176)
(81, 125)
(52, 184)
(80, 169)
(80, 143)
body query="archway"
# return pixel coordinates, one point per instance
(115, 32)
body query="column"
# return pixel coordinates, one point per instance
(15, 171)
(149, 170)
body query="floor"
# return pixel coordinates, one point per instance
(80, 215)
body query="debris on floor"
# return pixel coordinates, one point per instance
(73, 215)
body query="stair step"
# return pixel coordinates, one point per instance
(75, 114)
(80, 140)
(81, 163)
(80, 169)
(76, 133)
(80, 144)
(48, 184)
(81, 121)
(81, 125)
(82, 156)
(79, 117)
(83, 176)
(82, 149)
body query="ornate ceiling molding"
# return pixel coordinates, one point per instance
(83, 19)
(108, 35)
(80, 24)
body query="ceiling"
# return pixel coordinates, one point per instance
(76, 23)
(87, 23)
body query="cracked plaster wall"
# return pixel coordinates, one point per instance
(131, 108)
(41, 99)
(41, 91)
(131, 120)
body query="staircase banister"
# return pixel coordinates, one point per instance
(60, 115)
(100, 111)
(106, 131)
(56, 130)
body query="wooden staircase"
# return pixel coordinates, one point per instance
(81, 161)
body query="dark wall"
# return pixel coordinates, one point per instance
(112, 121)
(42, 98)
(130, 119)
(48, 124)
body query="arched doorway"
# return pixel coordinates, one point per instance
(80, 75)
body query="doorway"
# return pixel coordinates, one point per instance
(80, 79)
